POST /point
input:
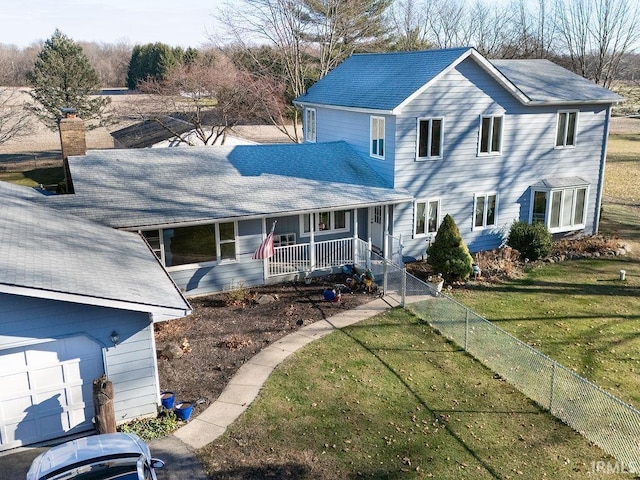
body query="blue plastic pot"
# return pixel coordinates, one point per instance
(183, 410)
(167, 399)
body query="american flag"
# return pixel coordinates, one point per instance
(266, 250)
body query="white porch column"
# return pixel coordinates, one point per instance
(354, 243)
(312, 243)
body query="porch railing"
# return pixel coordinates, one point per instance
(307, 257)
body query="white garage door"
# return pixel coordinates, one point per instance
(46, 390)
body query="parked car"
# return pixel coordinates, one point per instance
(122, 456)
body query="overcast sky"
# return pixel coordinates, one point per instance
(175, 22)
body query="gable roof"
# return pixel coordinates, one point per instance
(170, 186)
(380, 81)
(45, 253)
(386, 81)
(544, 82)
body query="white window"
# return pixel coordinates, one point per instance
(325, 222)
(490, 135)
(485, 211)
(284, 239)
(429, 138)
(427, 217)
(194, 245)
(567, 129)
(377, 137)
(560, 209)
(310, 125)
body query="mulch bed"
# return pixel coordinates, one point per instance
(199, 354)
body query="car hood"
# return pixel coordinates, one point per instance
(87, 448)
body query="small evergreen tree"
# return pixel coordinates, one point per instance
(62, 77)
(448, 253)
(532, 240)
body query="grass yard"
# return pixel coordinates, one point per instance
(389, 398)
(34, 177)
(622, 173)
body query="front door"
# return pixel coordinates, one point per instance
(376, 227)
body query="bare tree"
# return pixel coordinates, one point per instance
(408, 21)
(209, 95)
(597, 34)
(281, 24)
(14, 120)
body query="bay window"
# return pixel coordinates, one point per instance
(560, 209)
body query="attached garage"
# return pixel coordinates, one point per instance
(66, 285)
(43, 394)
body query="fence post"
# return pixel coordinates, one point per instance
(466, 330)
(403, 293)
(553, 385)
(369, 252)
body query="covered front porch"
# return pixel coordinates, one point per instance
(307, 259)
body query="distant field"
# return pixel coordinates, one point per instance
(622, 174)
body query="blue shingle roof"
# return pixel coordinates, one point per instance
(56, 255)
(383, 81)
(380, 80)
(162, 186)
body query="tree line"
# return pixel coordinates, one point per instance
(267, 52)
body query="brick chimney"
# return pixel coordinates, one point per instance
(72, 140)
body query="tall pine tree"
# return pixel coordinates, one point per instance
(62, 77)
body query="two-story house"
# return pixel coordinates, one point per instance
(393, 142)
(487, 142)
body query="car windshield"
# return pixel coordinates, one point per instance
(104, 469)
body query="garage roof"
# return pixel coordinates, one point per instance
(46, 253)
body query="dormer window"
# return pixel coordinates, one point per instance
(377, 137)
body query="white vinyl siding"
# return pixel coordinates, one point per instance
(485, 210)
(430, 134)
(427, 215)
(567, 129)
(310, 125)
(490, 135)
(377, 137)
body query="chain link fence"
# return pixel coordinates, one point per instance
(599, 416)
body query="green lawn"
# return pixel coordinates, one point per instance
(35, 177)
(389, 398)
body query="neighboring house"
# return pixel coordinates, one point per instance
(393, 142)
(77, 300)
(487, 142)
(165, 131)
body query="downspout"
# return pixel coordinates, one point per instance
(603, 160)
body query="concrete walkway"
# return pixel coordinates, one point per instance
(248, 381)
(178, 449)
